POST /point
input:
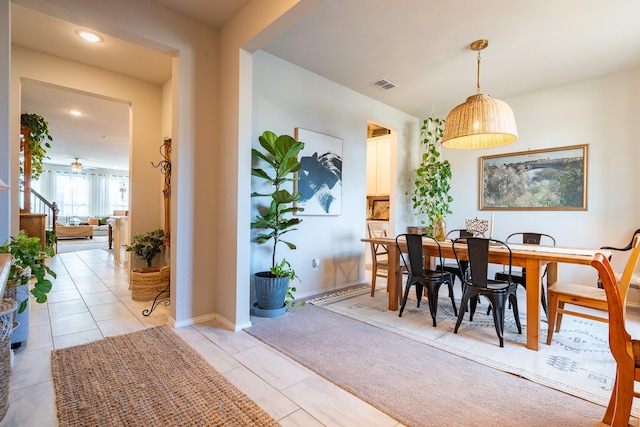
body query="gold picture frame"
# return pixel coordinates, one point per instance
(546, 179)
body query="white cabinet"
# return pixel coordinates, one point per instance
(379, 166)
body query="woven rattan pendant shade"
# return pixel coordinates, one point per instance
(481, 122)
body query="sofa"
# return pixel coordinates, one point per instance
(99, 226)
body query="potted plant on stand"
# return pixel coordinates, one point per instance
(273, 288)
(146, 283)
(28, 261)
(431, 194)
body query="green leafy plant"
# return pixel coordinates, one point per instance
(431, 197)
(284, 270)
(28, 260)
(51, 239)
(281, 154)
(147, 245)
(35, 130)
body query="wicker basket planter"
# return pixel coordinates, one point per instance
(7, 309)
(146, 283)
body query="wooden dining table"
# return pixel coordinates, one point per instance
(531, 257)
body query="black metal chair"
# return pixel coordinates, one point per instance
(422, 278)
(478, 284)
(461, 271)
(520, 277)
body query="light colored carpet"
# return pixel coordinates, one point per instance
(146, 378)
(416, 383)
(578, 362)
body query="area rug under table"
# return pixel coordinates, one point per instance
(577, 362)
(146, 378)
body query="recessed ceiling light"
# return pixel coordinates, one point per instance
(89, 36)
(75, 113)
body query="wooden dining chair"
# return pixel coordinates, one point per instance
(635, 279)
(625, 351)
(379, 253)
(560, 294)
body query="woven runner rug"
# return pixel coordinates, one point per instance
(146, 378)
(577, 362)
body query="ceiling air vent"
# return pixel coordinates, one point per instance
(384, 84)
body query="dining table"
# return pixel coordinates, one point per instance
(531, 257)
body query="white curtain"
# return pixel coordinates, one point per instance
(99, 198)
(83, 194)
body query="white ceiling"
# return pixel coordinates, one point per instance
(420, 45)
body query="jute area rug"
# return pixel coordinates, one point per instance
(577, 362)
(146, 378)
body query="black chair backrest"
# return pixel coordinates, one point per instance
(626, 248)
(531, 238)
(459, 232)
(415, 265)
(478, 253)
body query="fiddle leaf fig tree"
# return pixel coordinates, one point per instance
(276, 220)
(431, 193)
(36, 133)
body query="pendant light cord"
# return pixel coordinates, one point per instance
(478, 84)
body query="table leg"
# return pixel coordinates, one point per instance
(533, 303)
(393, 276)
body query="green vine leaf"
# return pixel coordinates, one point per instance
(431, 197)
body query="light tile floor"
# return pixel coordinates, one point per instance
(91, 300)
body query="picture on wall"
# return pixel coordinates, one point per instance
(320, 177)
(549, 179)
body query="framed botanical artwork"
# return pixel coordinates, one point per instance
(320, 177)
(548, 179)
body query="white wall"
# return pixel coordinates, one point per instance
(601, 112)
(193, 124)
(285, 97)
(5, 128)
(145, 196)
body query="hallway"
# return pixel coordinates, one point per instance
(91, 300)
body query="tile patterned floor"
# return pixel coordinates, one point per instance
(91, 300)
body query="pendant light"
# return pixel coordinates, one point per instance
(481, 122)
(75, 166)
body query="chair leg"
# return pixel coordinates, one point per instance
(433, 302)
(498, 320)
(543, 298)
(406, 295)
(559, 315)
(374, 274)
(551, 315)
(463, 308)
(608, 415)
(453, 301)
(472, 307)
(516, 314)
(419, 288)
(624, 397)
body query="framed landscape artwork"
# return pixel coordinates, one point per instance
(549, 179)
(320, 177)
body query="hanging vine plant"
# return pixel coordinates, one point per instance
(35, 130)
(431, 194)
